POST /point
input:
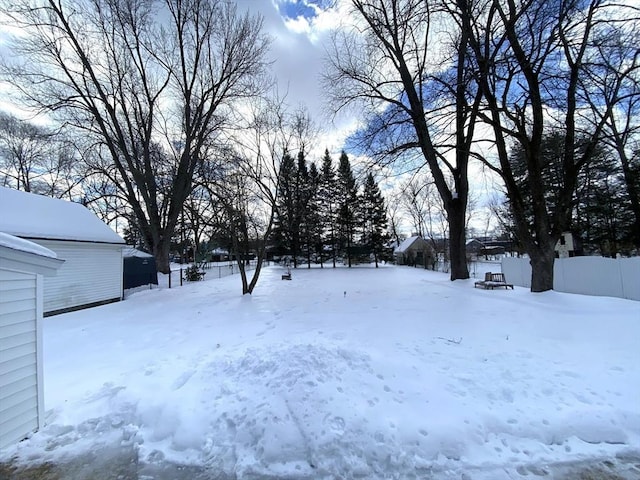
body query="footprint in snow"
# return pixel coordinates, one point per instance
(182, 380)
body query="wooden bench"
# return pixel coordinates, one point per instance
(493, 280)
(286, 276)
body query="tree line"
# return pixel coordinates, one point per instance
(323, 214)
(169, 107)
(444, 83)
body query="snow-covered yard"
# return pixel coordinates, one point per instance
(346, 373)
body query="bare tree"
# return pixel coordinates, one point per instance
(420, 202)
(150, 82)
(531, 61)
(414, 103)
(394, 213)
(37, 159)
(247, 184)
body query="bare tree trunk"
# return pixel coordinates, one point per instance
(161, 253)
(457, 240)
(542, 261)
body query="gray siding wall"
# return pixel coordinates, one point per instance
(91, 272)
(19, 394)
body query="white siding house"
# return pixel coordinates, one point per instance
(22, 265)
(92, 272)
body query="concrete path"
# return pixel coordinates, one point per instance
(122, 463)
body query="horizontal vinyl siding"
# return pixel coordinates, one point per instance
(17, 428)
(18, 370)
(90, 273)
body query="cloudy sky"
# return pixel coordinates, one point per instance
(300, 30)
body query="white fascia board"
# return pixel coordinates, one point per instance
(22, 261)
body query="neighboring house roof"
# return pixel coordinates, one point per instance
(129, 252)
(407, 243)
(38, 217)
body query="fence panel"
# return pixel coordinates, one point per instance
(517, 271)
(612, 277)
(630, 274)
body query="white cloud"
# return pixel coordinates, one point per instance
(298, 53)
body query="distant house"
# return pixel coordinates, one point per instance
(219, 255)
(487, 247)
(569, 245)
(474, 246)
(22, 266)
(93, 269)
(414, 251)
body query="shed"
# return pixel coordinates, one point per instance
(22, 266)
(139, 268)
(93, 268)
(414, 251)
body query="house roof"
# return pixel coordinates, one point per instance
(22, 245)
(407, 243)
(33, 216)
(25, 256)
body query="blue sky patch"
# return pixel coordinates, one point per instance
(301, 8)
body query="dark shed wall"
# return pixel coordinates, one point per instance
(139, 271)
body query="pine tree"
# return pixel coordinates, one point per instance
(347, 206)
(285, 207)
(374, 217)
(301, 199)
(312, 225)
(327, 200)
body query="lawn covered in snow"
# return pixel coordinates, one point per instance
(346, 373)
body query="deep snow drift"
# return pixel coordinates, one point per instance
(346, 373)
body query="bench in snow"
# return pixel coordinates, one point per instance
(493, 280)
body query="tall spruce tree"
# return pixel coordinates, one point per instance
(374, 218)
(347, 207)
(301, 202)
(285, 208)
(327, 200)
(312, 225)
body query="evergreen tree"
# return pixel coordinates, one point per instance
(301, 199)
(293, 226)
(604, 215)
(374, 218)
(312, 225)
(303, 192)
(347, 206)
(285, 208)
(601, 212)
(327, 201)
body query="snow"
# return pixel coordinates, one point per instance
(345, 373)
(128, 252)
(39, 217)
(22, 245)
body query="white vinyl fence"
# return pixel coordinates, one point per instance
(611, 277)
